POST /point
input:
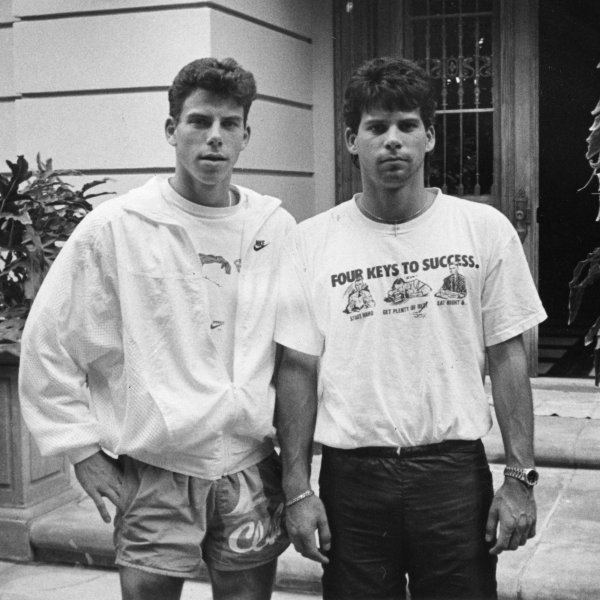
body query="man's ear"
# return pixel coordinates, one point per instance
(247, 132)
(350, 137)
(170, 127)
(430, 139)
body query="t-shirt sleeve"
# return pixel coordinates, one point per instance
(510, 302)
(296, 326)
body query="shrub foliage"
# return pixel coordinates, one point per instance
(38, 212)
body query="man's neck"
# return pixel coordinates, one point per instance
(395, 205)
(214, 195)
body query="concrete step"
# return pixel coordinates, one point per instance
(567, 424)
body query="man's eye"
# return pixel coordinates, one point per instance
(377, 128)
(202, 123)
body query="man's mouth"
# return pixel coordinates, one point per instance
(392, 159)
(213, 157)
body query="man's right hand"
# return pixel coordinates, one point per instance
(302, 519)
(101, 477)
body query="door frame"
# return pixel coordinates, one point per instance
(517, 27)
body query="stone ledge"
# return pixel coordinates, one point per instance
(559, 442)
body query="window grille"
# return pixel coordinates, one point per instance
(452, 41)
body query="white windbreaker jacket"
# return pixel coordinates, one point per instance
(116, 351)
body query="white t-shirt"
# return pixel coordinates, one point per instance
(401, 316)
(216, 233)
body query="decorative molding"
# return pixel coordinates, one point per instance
(168, 170)
(164, 7)
(284, 102)
(142, 90)
(95, 92)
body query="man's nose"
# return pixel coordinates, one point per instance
(214, 134)
(393, 139)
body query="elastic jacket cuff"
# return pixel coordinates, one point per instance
(79, 454)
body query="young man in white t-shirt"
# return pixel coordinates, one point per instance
(152, 338)
(392, 387)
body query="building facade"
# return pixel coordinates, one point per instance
(85, 81)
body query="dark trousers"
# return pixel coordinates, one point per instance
(414, 520)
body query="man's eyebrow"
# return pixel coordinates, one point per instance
(197, 115)
(374, 120)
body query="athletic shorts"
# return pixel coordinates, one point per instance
(172, 522)
(412, 520)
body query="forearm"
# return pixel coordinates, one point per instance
(295, 418)
(513, 403)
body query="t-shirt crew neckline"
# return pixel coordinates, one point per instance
(390, 228)
(201, 210)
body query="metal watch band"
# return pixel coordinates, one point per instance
(527, 476)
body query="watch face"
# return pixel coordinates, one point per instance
(532, 477)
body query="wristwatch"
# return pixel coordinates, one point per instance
(528, 476)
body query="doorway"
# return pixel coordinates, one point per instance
(569, 50)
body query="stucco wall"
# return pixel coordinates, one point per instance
(90, 81)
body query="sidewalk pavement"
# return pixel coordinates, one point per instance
(561, 563)
(38, 581)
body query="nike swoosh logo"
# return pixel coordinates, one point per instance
(216, 324)
(260, 244)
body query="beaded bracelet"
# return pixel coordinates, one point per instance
(306, 494)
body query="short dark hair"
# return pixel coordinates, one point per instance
(391, 84)
(224, 78)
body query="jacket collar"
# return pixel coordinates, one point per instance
(148, 202)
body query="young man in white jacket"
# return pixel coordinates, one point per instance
(152, 338)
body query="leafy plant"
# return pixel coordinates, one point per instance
(38, 212)
(587, 272)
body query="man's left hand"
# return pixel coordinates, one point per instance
(512, 516)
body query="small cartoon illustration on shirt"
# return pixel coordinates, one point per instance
(403, 290)
(358, 296)
(454, 286)
(209, 259)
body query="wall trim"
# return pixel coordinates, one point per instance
(170, 170)
(164, 7)
(96, 92)
(142, 90)
(272, 172)
(284, 101)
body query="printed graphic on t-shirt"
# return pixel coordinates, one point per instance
(454, 286)
(221, 274)
(358, 296)
(405, 286)
(213, 259)
(405, 289)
